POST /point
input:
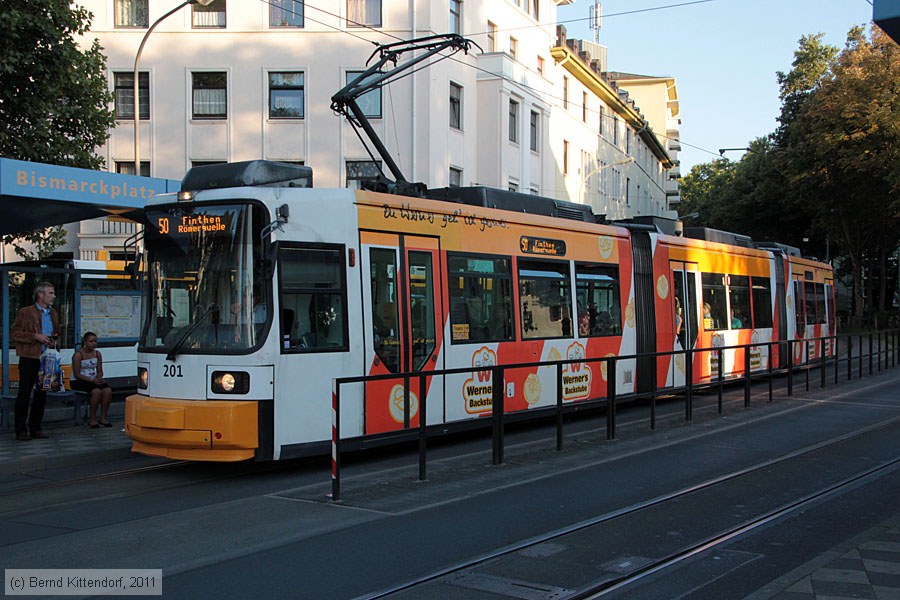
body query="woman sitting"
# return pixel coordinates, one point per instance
(87, 368)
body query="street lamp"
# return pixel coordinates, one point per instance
(137, 60)
(599, 168)
(722, 151)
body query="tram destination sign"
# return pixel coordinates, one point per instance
(179, 224)
(542, 246)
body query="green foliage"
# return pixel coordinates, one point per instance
(54, 97)
(43, 242)
(831, 170)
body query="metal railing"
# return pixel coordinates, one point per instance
(881, 356)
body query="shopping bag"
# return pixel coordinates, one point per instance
(50, 371)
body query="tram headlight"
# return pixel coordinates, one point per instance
(143, 378)
(226, 382)
(230, 382)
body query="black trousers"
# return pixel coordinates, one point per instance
(28, 376)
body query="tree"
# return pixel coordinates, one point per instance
(843, 149)
(54, 97)
(830, 172)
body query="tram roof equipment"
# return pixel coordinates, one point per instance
(247, 174)
(513, 201)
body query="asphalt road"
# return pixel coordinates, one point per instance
(235, 531)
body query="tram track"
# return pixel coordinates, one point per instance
(118, 484)
(642, 571)
(607, 587)
(48, 485)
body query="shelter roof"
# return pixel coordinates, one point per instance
(37, 195)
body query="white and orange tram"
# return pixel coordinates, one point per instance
(263, 290)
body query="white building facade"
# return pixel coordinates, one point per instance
(245, 80)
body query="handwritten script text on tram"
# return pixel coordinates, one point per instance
(457, 216)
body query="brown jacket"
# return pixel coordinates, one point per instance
(28, 323)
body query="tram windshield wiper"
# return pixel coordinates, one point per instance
(211, 308)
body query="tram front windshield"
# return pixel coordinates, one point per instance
(206, 287)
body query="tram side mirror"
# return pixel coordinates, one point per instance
(283, 212)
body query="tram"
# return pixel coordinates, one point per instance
(263, 289)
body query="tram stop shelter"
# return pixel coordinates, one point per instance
(36, 195)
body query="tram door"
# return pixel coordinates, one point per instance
(403, 325)
(685, 310)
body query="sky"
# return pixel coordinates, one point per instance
(723, 54)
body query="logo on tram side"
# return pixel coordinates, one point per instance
(478, 390)
(396, 402)
(576, 377)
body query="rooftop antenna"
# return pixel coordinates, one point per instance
(596, 20)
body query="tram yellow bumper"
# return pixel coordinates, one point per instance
(192, 430)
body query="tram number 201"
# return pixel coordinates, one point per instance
(172, 371)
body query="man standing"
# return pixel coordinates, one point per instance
(34, 330)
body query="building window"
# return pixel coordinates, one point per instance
(364, 13)
(535, 126)
(286, 95)
(600, 126)
(565, 165)
(514, 121)
(124, 91)
(565, 92)
(514, 47)
(370, 102)
(455, 177)
(286, 13)
(362, 170)
(491, 37)
(584, 109)
(535, 191)
(210, 95)
(513, 186)
(126, 167)
(212, 15)
(455, 16)
(540, 65)
(455, 106)
(615, 122)
(531, 6)
(132, 13)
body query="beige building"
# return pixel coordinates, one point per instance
(237, 81)
(658, 99)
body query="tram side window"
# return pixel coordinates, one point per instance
(798, 308)
(739, 298)
(809, 301)
(313, 299)
(762, 302)
(480, 290)
(597, 296)
(715, 305)
(820, 302)
(385, 312)
(545, 300)
(829, 295)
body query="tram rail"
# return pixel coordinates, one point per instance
(642, 571)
